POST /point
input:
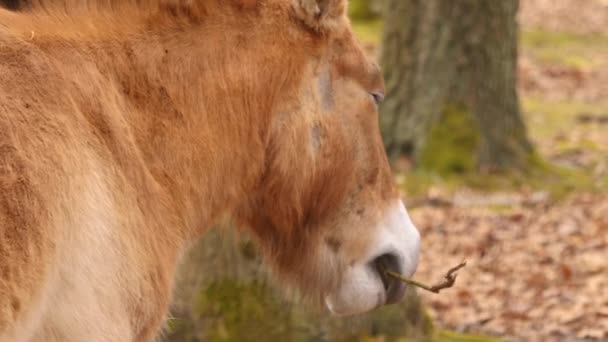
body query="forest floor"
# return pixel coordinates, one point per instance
(537, 250)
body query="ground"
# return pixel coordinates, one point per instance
(536, 268)
(537, 247)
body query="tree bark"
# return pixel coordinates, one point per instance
(438, 53)
(495, 102)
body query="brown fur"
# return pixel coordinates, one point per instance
(127, 130)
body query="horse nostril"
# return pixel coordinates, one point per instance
(386, 262)
(393, 288)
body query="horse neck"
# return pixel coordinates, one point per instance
(198, 107)
(201, 120)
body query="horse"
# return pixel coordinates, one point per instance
(128, 128)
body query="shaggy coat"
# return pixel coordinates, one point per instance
(129, 127)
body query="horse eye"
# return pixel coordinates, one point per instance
(378, 97)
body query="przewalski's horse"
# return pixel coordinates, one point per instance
(129, 127)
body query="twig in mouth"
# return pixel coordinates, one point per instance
(450, 279)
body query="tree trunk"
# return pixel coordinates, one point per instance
(495, 102)
(439, 53)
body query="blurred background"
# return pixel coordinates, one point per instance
(496, 121)
(496, 124)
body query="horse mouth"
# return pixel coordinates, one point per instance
(393, 288)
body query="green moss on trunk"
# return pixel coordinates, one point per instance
(361, 9)
(452, 143)
(223, 295)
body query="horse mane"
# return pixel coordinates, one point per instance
(193, 10)
(110, 17)
(100, 4)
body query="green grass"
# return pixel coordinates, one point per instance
(448, 161)
(451, 336)
(582, 52)
(541, 38)
(438, 336)
(539, 176)
(546, 118)
(578, 51)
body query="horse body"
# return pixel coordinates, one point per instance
(125, 132)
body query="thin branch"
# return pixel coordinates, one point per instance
(450, 279)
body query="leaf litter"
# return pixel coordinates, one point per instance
(535, 272)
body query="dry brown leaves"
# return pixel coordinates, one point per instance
(563, 82)
(538, 271)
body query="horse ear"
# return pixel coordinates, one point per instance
(321, 15)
